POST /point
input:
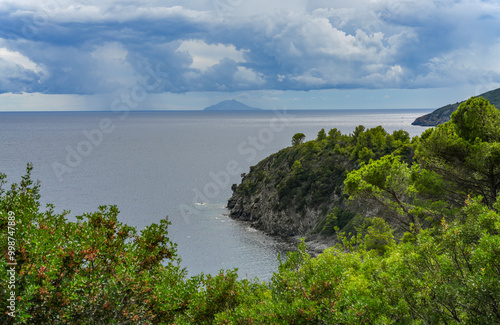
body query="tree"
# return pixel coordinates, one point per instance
(410, 196)
(379, 236)
(298, 138)
(321, 135)
(385, 182)
(449, 275)
(334, 135)
(92, 271)
(297, 169)
(466, 150)
(377, 142)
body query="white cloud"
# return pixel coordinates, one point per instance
(206, 55)
(61, 11)
(248, 76)
(476, 64)
(16, 58)
(19, 73)
(392, 77)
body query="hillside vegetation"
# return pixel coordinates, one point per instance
(443, 114)
(430, 254)
(299, 191)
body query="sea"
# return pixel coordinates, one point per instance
(175, 164)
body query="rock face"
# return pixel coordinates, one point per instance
(274, 199)
(442, 115)
(261, 212)
(260, 208)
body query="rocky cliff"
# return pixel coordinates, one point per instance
(298, 191)
(267, 198)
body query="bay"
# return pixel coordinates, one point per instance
(180, 164)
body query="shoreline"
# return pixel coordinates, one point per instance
(315, 245)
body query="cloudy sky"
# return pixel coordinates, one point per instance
(170, 54)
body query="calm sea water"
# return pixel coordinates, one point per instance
(176, 164)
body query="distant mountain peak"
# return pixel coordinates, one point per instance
(231, 105)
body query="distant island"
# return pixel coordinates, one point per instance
(231, 105)
(442, 115)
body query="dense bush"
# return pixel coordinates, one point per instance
(92, 271)
(448, 275)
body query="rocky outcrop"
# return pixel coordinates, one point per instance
(264, 216)
(260, 210)
(299, 191)
(275, 199)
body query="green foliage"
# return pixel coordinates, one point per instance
(477, 119)
(410, 196)
(334, 136)
(99, 271)
(331, 224)
(96, 270)
(298, 138)
(321, 135)
(337, 219)
(379, 236)
(385, 181)
(215, 295)
(297, 169)
(311, 175)
(376, 142)
(452, 276)
(466, 151)
(448, 275)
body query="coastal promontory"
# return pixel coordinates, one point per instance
(442, 115)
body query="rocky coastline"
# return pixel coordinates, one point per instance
(258, 211)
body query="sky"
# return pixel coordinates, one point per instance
(285, 54)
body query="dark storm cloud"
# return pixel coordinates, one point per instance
(95, 47)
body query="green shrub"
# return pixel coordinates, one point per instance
(92, 271)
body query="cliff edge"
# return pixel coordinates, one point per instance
(299, 191)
